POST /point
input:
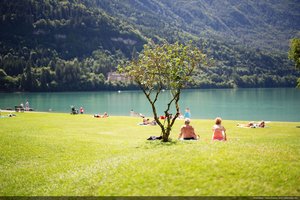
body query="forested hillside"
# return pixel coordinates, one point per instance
(52, 45)
(262, 24)
(60, 45)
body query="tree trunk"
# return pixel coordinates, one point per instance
(165, 131)
(165, 136)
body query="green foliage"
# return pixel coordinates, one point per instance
(168, 66)
(8, 82)
(2, 73)
(294, 53)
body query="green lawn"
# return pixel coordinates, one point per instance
(63, 154)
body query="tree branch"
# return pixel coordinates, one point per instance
(177, 108)
(154, 110)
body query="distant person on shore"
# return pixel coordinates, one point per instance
(74, 111)
(132, 113)
(187, 132)
(219, 132)
(187, 114)
(260, 124)
(27, 105)
(81, 110)
(164, 117)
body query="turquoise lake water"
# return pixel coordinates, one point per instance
(280, 104)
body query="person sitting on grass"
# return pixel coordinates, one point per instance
(74, 111)
(187, 132)
(105, 115)
(260, 124)
(219, 132)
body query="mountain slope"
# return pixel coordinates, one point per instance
(71, 29)
(59, 45)
(247, 39)
(261, 24)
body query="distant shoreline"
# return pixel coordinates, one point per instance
(127, 116)
(128, 90)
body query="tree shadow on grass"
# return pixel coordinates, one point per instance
(154, 144)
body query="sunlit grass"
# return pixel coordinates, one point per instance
(63, 154)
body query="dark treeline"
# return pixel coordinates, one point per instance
(51, 45)
(237, 66)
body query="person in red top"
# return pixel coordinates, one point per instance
(219, 132)
(81, 110)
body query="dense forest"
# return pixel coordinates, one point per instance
(72, 45)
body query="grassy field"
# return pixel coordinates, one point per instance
(63, 154)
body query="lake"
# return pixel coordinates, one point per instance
(280, 104)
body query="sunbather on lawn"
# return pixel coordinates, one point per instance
(187, 132)
(260, 124)
(219, 132)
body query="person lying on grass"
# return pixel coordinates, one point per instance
(101, 116)
(260, 124)
(147, 122)
(219, 132)
(187, 132)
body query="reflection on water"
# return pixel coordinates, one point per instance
(244, 104)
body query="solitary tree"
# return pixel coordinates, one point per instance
(167, 66)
